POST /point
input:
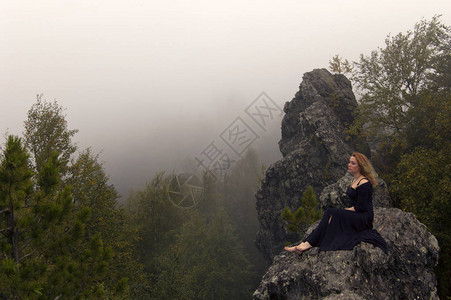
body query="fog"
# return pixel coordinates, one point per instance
(150, 84)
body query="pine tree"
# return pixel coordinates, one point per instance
(152, 222)
(15, 188)
(305, 215)
(205, 262)
(41, 255)
(238, 191)
(90, 189)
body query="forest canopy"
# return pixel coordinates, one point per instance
(64, 234)
(404, 93)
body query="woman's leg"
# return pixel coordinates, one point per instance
(318, 233)
(314, 239)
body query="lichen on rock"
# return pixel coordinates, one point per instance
(366, 272)
(315, 152)
(315, 149)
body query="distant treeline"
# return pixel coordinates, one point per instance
(63, 234)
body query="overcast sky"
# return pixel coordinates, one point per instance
(149, 83)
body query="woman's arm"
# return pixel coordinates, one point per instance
(350, 208)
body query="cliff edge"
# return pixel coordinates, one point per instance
(315, 151)
(366, 272)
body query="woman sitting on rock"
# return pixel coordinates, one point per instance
(342, 229)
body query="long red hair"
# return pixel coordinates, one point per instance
(366, 168)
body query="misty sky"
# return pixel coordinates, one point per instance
(150, 83)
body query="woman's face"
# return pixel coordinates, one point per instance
(353, 166)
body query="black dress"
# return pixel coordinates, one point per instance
(348, 228)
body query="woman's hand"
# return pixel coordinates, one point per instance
(350, 208)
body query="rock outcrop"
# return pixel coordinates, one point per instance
(315, 151)
(334, 195)
(316, 118)
(366, 272)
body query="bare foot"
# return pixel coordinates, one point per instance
(299, 248)
(304, 246)
(293, 249)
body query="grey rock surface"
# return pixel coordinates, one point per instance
(366, 272)
(315, 152)
(334, 195)
(318, 114)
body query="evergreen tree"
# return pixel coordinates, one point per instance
(102, 232)
(90, 189)
(238, 190)
(307, 213)
(187, 253)
(40, 252)
(210, 258)
(152, 221)
(15, 188)
(206, 262)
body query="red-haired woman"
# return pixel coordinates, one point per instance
(342, 229)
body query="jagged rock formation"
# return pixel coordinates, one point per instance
(365, 272)
(316, 117)
(315, 149)
(334, 195)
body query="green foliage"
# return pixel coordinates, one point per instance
(91, 190)
(52, 244)
(46, 132)
(151, 221)
(15, 174)
(441, 79)
(15, 187)
(391, 77)
(48, 178)
(405, 113)
(205, 262)
(154, 218)
(239, 188)
(238, 191)
(40, 257)
(340, 66)
(89, 205)
(421, 184)
(201, 252)
(305, 215)
(429, 121)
